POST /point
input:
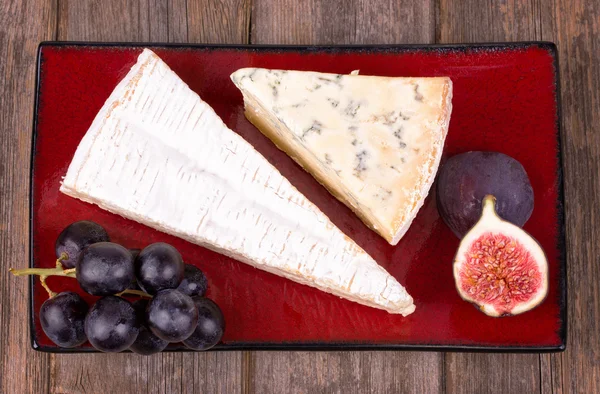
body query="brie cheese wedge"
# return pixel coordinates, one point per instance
(157, 154)
(374, 142)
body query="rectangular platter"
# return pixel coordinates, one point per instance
(506, 99)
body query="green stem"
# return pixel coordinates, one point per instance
(134, 292)
(45, 286)
(43, 272)
(63, 256)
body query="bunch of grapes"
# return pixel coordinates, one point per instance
(172, 307)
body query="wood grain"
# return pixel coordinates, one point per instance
(344, 22)
(163, 21)
(101, 20)
(578, 35)
(346, 372)
(219, 21)
(497, 373)
(21, 368)
(162, 373)
(492, 21)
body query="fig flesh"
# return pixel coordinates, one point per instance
(499, 267)
(466, 178)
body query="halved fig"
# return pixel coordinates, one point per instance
(499, 267)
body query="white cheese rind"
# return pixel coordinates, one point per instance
(374, 142)
(157, 154)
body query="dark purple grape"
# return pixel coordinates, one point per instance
(210, 328)
(171, 315)
(146, 342)
(159, 266)
(465, 179)
(135, 252)
(62, 318)
(134, 285)
(75, 237)
(140, 307)
(111, 324)
(194, 282)
(105, 268)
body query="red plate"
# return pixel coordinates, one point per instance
(505, 99)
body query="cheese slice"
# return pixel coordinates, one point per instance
(157, 154)
(374, 142)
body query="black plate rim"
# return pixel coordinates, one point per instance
(334, 346)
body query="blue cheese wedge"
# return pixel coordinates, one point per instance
(157, 154)
(374, 142)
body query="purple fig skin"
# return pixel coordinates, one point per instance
(464, 181)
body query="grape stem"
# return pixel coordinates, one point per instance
(43, 273)
(134, 292)
(45, 286)
(46, 272)
(63, 256)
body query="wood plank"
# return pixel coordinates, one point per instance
(493, 21)
(21, 368)
(343, 22)
(577, 31)
(346, 372)
(166, 20)
(163, 373)
(551, 373)
(129, 20)
(219, 21)
(157, 21)
(102, 20)
(492, 373)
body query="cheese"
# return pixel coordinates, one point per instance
(157, 154)
(374, 142)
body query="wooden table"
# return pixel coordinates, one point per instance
(573, 24)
